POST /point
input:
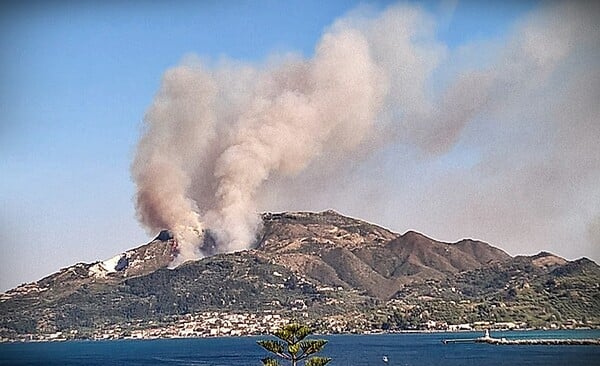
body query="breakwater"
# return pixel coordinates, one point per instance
(546, 342)
(527, 341)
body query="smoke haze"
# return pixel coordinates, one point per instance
(386, 122)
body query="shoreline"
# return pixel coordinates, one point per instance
(477, 340)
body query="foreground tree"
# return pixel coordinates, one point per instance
(293, 346)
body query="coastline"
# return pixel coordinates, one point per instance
(327, 334)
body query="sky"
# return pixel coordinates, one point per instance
(77, 79)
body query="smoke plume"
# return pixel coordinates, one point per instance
(215, 135)
(224, 140)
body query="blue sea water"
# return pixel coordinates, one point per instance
(357, 350)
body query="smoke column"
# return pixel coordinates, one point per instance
(217, 133)
(213, 136)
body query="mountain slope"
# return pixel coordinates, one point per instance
(340, 251)
(328, 267)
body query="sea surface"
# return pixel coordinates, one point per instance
(400, 349)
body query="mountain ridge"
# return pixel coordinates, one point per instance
(364, 255)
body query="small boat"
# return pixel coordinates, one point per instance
(385, 359)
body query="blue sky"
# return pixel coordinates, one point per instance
(77, 78)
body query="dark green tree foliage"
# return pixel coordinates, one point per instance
(293, 346)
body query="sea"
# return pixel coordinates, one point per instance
(357, 350)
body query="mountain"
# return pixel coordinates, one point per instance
(340, 251)
(337, 272)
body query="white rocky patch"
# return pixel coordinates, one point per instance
(101, 269)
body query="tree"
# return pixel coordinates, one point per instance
(293, 346)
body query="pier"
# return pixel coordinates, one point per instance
(527, 342)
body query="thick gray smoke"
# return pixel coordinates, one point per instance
(223, 141)
(215, 135)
